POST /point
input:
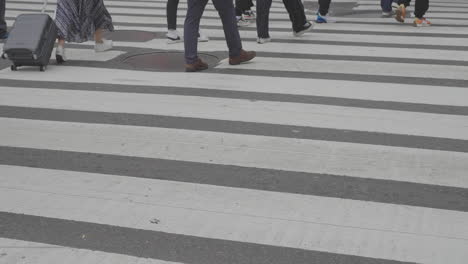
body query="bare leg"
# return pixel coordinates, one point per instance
(102, 44)
(98, 35)
(61, 42)
(60, 51)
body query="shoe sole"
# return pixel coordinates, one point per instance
(421, 25)
(170, 41)
(300, 33)
(387, 15)
(104, 50)
(263, 42)
(243, 61)
(195, 70)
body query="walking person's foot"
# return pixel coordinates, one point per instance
(60, 55)
(307, 27)
(244, 56)
(202, 37)
(249, 15)
(198, 65)
(242, 22)
(400, 13)
(104, 45)
(173, 37)
(324, 19)
(263, 40)
(387, 14)
(421, 22)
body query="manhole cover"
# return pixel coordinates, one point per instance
(165, 61)
(132, 35)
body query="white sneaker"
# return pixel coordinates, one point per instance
(202, 37)
(242, 22)
(60, 55)
(173, 37)
(105, 45)
(263, 40)
(387, 14)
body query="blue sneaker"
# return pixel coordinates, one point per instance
(4, 35)
(324, 19)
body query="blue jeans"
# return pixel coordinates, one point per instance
(386, 5)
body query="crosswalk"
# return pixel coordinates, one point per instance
(347, 145)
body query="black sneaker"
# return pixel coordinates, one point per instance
(249, 15)
(307, 27)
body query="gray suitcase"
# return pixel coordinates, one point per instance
(31, 41)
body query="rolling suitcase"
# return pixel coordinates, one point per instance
(31, 41)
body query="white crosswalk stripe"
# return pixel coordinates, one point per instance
(347, 145)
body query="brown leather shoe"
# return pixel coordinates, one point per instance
(199, 65)
(243, 57)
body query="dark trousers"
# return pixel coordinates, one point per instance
(195, 10)
(295, 10)
(324, 6)
(386, 5)
(420, 7)
(242, 6)
(171, 13)
(3, 25)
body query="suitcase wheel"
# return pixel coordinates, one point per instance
(14, 67)
(42, 68)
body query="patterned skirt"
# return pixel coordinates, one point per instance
(77, 20)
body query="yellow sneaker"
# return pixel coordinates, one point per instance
(421, 22)
(400, 13)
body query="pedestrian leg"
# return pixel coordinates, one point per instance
(296, 12)
(324, 6)
(406, 3)
(171, 14)
(386, 5)
(195, 10)
(420, 8)
(239, 8)
(400, 13)
(263, 13)
(3, 25)
(231, 32)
